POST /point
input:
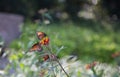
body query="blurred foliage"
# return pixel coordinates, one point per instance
(86, 43)
(29, 8)
(24, 7)
(27, 67)
(112, 6)
(104, 11)
(93, 36)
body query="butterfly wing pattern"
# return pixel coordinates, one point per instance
(41, 35)
(36, 47)
(44, 40)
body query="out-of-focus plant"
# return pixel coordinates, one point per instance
(1, 45)
(77, 40)
(44, 17)
(48, 54)
(39, 59)
(91, 66)
(116, 57)
(97, 69)
(30, 66)
(1, 42)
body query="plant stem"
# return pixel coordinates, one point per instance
(52, 66)
(94, 72)
(62, 67)
(56, 59)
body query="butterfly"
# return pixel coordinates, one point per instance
(36, 47)
(46, 57)
(41, 35)
(44, 41)
(52, 56)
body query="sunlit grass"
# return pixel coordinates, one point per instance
(84, 42)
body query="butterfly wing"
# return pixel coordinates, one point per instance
(44, 41)
(41, 35)
(46, 57)
(36, 47)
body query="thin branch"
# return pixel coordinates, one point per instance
(56, 59)
(62, 67)
(52, 66)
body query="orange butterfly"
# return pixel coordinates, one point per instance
(41, 35)
(46, 57)
(36, 47)
(44, 41)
